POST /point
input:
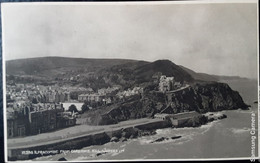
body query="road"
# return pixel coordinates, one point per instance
(180, 89)
(71, 133)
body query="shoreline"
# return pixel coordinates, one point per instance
(115, 133)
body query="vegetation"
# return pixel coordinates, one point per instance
(94, 73)
(84, 107)
(73, 108)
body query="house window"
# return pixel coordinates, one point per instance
(10, 132)
(21, 131)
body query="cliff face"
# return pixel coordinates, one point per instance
(200, 97)
(206, 97)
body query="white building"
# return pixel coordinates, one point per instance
(166, 83)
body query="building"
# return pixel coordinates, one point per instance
(56, 96)
(66, 119)
(181, 118)
(130, 92)
(177, 119)
(177, 85)
(44, 118)
(105, 91)
(162, 116)
(17, 124)
(91, 97)
(37, 118)
(156, 77)
(166, 83)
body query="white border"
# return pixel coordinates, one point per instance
(121, 3)
(4, 85)
(186, 2)
(258, 79)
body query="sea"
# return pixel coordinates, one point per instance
(233, 137)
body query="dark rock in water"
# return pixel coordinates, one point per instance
(215, 116)
(223, 116)
(195, 121)
(114, 139)
(62, 159)
(160, 139)
(153, 132)
(130, 132)
(132, 137)
(146, 133)
(124, 139)
(211, 119)
(175, 137)
(256, 102)
(99, 154)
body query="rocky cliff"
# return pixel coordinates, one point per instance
(200, 97)
(205, 97)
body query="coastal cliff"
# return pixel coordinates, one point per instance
(201, 97)
(206, 97)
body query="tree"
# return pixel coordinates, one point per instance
(84, 107)
(74, 95)
(73, 108)
(34, 100)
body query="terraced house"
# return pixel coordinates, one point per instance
(38, 118)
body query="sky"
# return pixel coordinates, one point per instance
(213, 38)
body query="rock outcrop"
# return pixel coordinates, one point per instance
(165, 138)
(200, 97)
(206, 97)
(214, 116)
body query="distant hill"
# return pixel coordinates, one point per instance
(101, 72)
(200, 76)
(223, 78)
(53, 65)
(207, 77)
(113, 71)
(166, 67)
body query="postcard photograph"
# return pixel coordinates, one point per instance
(101, 81)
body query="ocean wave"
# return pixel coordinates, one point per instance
(114, 154)
(45, 157)
(168, 140)
(240, 111)
(82, 158)
(121, 146)
(187, 133)
(144, 141)
(239, 130)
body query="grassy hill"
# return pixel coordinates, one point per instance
(48, 66)
(98, 73)
(94, 72)
(166, 67)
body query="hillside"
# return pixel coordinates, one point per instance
(99, 73)
(207, 77)
(166, 67)
(95, 73)
(51, 66)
